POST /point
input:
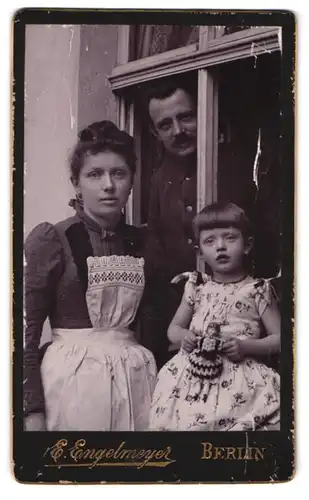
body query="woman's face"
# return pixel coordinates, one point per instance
(105, 183)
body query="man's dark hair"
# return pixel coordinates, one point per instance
(165, 87)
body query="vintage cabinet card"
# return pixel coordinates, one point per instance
(153, 246)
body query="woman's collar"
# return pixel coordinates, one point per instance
(93, 225)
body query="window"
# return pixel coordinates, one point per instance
(152, 39)
(237, 73)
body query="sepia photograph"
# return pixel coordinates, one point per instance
(154, 233)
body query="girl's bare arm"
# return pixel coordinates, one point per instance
(271, 343)
(178, 328)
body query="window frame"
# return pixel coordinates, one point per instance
(218, 49)
(213, 48)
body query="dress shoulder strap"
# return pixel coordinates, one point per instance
(195, 277)
(76, 244)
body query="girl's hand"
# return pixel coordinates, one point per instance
(189, 342)
(234, 349)
(35, 422)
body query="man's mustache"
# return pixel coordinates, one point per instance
(183, 137)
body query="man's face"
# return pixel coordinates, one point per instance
(175, 122)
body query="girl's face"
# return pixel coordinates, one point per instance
(223, 249)
(105, 183)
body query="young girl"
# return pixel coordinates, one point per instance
(215, 382)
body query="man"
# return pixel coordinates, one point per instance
(173, 190)
(170, 245)
(171, 249)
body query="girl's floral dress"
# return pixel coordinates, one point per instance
(245, 395)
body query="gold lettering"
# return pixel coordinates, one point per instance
(79, 452)
(218, 452)
(119, 448)
(207, 451)
(140, 454)
(110, 453)
(148, 456)
(99, 455)
(247, 455)
(76, 452)
(125, 454)
(89, 453)
(227, 453)
(56, 451)
(230, 451)
(259, 452)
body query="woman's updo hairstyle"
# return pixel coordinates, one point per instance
(97, 138)
(221, 215)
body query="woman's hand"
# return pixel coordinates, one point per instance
(234, 349)
(189, 342)
(35, 422)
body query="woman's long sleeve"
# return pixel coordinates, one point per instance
(44, 262)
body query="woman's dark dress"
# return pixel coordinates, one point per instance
(56, 282)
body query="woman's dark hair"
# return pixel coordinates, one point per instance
(97, 138)
(221, 214)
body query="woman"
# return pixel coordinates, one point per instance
(86, 274)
